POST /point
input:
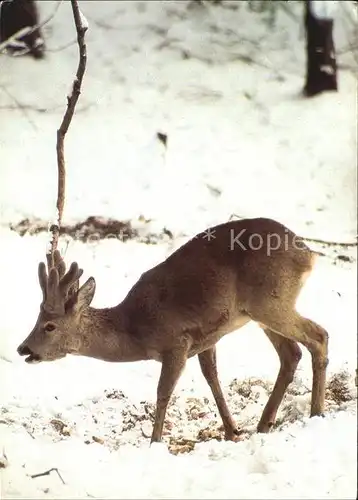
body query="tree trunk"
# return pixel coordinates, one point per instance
(18, 14)
(321, 70)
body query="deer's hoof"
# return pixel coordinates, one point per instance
(235, 435)
(319, 414)
(264, 428)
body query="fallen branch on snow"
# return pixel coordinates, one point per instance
(47, 473)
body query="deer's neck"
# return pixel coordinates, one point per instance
(104, 336)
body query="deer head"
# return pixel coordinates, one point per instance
(56, 331)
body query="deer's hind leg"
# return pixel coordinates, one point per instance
(290, 324)
(275, 309)
(289, 354)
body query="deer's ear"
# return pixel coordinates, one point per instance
(85, 294)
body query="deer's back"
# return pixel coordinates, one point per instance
(208, 285)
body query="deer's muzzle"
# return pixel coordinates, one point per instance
(24, 350)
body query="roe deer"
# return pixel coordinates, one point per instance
(235, 272)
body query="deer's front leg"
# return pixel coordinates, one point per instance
(173, 363)
(208, 366)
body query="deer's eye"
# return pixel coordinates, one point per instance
(49, 327)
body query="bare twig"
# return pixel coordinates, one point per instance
(312, 240)
(48, 18)
(3, 460)
(19, 106)
(27, 30)
(48, 472)
(81, 27)
(236, 216)
(26, 50)
(3, 358)
(62, 47)
(42, 109)
(14, 38)
(28, 431)
(332, 243)
(103, 24)
(48, 49)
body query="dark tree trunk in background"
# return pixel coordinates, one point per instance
(18, 14)
(321, 70)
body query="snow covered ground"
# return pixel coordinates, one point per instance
(225, 89)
